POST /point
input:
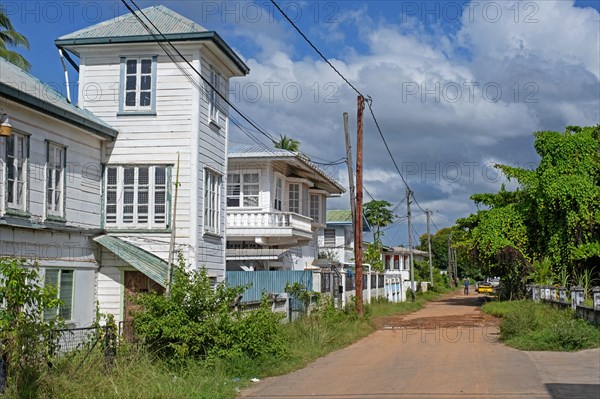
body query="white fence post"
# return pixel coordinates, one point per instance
(596, 296)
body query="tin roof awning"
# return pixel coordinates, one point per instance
(254, 253)
(145, 262)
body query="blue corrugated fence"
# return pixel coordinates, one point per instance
(268, 281)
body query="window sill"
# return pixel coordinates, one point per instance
(136, 113)
(137, 230)
(58, 219)
(212, 235)
(17, 213)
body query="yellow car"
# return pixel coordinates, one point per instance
(483, 288)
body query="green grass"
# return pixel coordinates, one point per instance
(527, 325)
(138, 374)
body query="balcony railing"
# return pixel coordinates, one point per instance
(268, 220)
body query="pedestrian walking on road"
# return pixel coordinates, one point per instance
(466, 286)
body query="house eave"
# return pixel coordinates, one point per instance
(170, 37)
(52, 110)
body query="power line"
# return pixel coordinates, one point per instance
(369, 99)
(315, 48)
(218, 92)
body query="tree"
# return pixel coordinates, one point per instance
(287, 143)
(10, 38)
(554, 215)
(379, 215)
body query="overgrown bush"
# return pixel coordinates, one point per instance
(196, 320)
(25, 338)
(528, 325)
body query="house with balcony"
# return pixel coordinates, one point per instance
(276, 208)
(396, 260)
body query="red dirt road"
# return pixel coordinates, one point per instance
(448, 349)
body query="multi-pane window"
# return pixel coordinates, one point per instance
(278, 197)
(329, 236)
(243, 189)
(315, 208)
(55, 179)
(17, 154)
(136, 196)
(214, 98)
(138, 84)
(294, 197)
(63, 281)
(212, 202)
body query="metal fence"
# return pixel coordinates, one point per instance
(273, 281)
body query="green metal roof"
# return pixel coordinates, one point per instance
(339, 216)
(23, 88)
(172, 26)
(344, 217)
(145, 262)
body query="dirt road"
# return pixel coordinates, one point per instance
(448, 349)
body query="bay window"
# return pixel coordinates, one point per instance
(136, 196)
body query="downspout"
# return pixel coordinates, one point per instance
(62, 59)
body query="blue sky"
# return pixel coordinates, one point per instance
(457, 85)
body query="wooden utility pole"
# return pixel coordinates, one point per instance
(173, 232)
(450, 268)
(359, 203)
(350, 169)
(410, 250)
(455, 266)
(429, 248)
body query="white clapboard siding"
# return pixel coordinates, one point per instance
(82, 201)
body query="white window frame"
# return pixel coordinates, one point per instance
(243, 189)
(213, 187)
(138, 83)
(20, 166)
(114, 198)
(52, 314)
(278, 193)
(214, 99)
(294, 197)
(316, 214)
(56, 173)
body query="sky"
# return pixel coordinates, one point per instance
(456, 86)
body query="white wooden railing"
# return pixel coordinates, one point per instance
(268, 220)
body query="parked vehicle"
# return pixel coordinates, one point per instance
(484, 287)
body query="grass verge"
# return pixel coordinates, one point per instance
(136, 373)
(531, 326)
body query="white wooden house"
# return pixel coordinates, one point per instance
(276, 204)
(50, 188)
(169, 121)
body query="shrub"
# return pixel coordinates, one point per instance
(199, 321)
(25, 338)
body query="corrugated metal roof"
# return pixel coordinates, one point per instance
(25, 88)
(145, 262)
(339, 216)
(166, 21)
(239, 149)
(244, 150)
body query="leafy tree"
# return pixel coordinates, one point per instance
(379, 215)
(372, 256)
(11, 38)
(553, 215)
(439, 252)
(287, 143)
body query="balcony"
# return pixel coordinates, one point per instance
(268, 226)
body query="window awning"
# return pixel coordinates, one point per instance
(143, 261)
